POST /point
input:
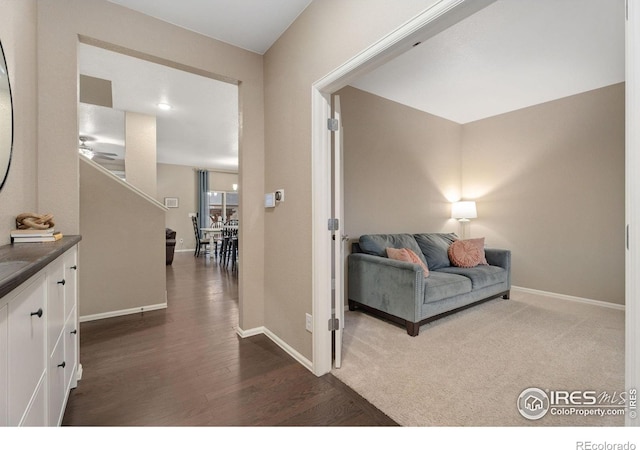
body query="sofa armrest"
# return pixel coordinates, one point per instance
(501, 258)
(395, 287)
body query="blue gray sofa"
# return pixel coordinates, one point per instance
(398, 291)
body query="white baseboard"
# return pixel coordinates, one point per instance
(570, 298)
(248, 333)
(122, 312)
(279, 342)
(184, 250)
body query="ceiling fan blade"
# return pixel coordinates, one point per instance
(106, 153)
(108, 158)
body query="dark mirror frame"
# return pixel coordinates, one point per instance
(6, 173)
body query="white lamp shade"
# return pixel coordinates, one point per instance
(464, 210)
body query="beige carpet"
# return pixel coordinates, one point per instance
(469, 368)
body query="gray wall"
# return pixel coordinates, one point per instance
(123, 246)
(548, 181)
(401, 166)
(327, 34)
(18, 37)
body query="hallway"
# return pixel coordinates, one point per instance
(186, 366)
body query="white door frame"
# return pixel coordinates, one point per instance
(428, 23)
(423, 26)
(632, 170)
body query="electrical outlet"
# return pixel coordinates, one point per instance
(309, 323)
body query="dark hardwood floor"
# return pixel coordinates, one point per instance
(186, 366)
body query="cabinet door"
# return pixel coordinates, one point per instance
(4, 383)
(56, 372)
(71, 352)
(55, 301)
(26, 346)
(36, 415)
(71, 278)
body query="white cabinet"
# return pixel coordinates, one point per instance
(71, 331)
(62, 332)
(71, 354)
(39, 345)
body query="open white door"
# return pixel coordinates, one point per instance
(337, 269)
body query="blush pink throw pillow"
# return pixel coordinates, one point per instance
(467, 253)
(405, 254)
(464, 254)
(479, 242)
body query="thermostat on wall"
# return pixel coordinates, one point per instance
(270, 200)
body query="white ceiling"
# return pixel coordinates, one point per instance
(510, 55)
(250, 24)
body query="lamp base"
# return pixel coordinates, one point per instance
(464, 224)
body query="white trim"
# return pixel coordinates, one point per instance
(279, 342)
(119, 180)
(122, 312)
(184, 250)
(79, 373)
(321, 236)
(248, 333)
(570, 298)
(426, 24)
(290, 350)
(632, 191)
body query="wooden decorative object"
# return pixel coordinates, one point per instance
(26, 221)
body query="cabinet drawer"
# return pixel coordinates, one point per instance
(71, 286)
(57, 366)
(55, 301)
(27, 353)
(70, 351)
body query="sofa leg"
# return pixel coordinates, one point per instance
(413, 328)
(507, 296)
(352, 305)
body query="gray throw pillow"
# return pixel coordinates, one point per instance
(435, 246)
(376, 244)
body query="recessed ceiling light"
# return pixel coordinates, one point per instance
(164, 106)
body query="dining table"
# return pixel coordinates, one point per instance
(214, 233)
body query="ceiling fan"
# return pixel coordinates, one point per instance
(90, 153)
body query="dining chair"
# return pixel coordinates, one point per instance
(199, 241)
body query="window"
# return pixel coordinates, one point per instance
(223, 206)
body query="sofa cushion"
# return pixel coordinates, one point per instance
(481, 276)
(376, 244)
(441, 285)
(404, 254)
(434, 247)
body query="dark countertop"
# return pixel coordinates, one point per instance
(19, 262)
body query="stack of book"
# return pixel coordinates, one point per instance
(19, 236)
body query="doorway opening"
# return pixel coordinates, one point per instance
(192, 120)
(432, 21)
